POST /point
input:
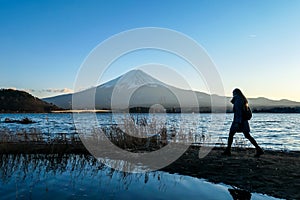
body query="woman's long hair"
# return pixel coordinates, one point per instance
(238, 92)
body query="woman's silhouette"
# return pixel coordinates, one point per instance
(240, 123)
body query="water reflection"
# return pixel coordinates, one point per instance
(80, 176)
(75, 175)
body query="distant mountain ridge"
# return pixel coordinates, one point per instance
(15, 101)
(147, 91)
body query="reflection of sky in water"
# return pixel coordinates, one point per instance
(276, 131)
(82, 177)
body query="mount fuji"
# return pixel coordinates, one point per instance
(138, 89)
(144, 89)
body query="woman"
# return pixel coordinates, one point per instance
(240, 124)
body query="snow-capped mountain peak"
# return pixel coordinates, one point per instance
(135, 79)
(132, 79)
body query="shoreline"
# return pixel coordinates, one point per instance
(276, 173)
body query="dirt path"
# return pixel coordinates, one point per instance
(275, 173)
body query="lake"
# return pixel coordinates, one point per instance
(272, 131)
(36, 176)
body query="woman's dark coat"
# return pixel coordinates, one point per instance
(239, 124)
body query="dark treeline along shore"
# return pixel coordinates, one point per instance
(259, 109)
(14, 101)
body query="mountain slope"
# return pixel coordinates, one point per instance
(145, 91)
(138, 89)
(12, 101)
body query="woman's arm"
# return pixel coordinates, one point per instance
(238, 111)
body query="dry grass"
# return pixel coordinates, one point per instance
(133, 134)
(34, 135)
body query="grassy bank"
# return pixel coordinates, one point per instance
(275, 173)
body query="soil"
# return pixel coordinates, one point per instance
(274, 173)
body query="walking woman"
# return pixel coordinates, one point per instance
(240, 123)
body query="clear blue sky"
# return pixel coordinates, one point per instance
(254, 44)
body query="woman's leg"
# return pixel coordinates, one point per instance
(229, 143)
(230, 139)
(251, 139)
(259, 151)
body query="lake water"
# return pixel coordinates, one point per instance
(82, 177)
(272, 131)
